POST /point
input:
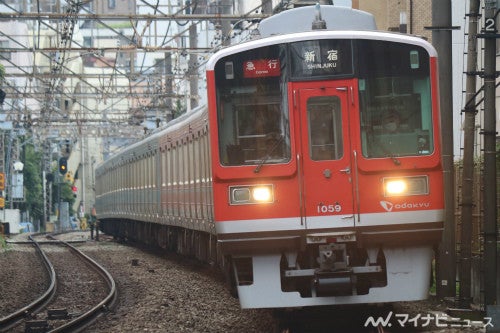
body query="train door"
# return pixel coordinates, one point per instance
(326, 176)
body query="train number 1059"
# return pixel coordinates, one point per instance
(325, 209)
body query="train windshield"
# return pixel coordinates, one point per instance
(395, 100)
(252, 114)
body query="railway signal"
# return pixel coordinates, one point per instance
(63, 165)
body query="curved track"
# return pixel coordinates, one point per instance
(38, 304)
(65, 323)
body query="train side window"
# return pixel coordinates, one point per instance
(325, 128)
(163, 168)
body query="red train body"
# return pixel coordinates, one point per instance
(314, 171)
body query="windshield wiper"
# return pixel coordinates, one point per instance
(268, 154)
(386, 151)
(394, 160)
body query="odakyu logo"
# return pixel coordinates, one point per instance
(389, 206)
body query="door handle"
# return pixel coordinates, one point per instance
(346, 170)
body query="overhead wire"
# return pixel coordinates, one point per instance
(142, 71)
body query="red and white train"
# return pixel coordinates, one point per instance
(314, 173)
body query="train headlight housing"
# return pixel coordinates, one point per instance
(405, 186)
(251, 194)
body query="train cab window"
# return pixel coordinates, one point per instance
(325, 128)
(258, 131)
(252, 110)
(395, 100)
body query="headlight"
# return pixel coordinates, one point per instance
(251, 194)
(404, 186)
(395, 187)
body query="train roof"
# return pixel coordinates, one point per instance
(150, 143)
(301, 19)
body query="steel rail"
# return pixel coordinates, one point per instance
(79, 323)
(13, 319)
(89, 317)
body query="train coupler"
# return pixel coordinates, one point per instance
(340, 283)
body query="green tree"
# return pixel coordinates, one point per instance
(34, 187)
(32, 183)
(61, 191)
(179, 109)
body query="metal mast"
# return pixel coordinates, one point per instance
(467, 200)
(489, 133)
(441, 39)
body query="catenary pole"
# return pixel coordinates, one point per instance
(441, 39)
(469, 128)
(489, 176)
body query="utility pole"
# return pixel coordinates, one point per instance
(192, 61)
(267, 7)
(2, 172)
(225, 8)
(193, 67)
(441, 39)
(489, 137)
(169, 114)
(469, 125)
(83, 161)
(47, 180)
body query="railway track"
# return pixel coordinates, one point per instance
(63, 307)
(162, 292)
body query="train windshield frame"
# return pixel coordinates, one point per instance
(395, 99)
(394, 90)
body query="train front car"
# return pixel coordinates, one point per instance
(326, 164)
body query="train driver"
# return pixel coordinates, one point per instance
(392, 121)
